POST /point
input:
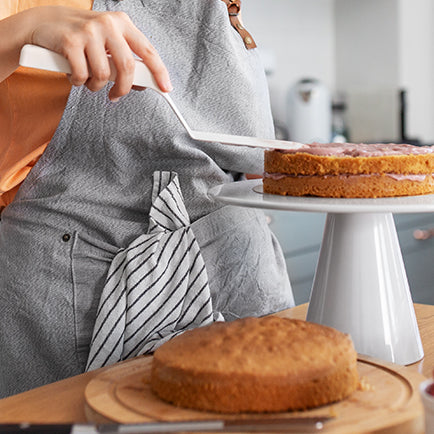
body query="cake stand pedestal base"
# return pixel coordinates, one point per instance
(361, 287)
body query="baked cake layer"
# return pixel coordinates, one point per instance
(349, 186)
(303, 163)
(256, 365)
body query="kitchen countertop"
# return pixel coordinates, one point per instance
(63, 401)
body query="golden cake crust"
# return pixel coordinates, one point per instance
(302, 163)
(352, 186)
(255, 365)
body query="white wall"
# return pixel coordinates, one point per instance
(366, 43)
(299, 35)
(367, 67)
(416, 65)
(367, 48)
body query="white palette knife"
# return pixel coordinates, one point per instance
(34, 56)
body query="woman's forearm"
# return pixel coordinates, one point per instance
(15, 31)
(84, 38)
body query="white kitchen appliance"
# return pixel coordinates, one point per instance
(309, 112)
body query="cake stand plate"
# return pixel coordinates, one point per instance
(360, 285)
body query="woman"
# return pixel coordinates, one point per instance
(76, 208)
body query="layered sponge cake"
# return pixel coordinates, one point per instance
(350, 170)
(265, 364)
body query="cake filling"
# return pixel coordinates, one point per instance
(361, 149)
(395, 176)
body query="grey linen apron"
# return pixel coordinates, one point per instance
(89, 195)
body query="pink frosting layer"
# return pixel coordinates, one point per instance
(361, 149)
(395, 176)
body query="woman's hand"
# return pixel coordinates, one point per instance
(85, 38)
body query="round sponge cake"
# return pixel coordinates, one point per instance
(350, 170)
(265, 364)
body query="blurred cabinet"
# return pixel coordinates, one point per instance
(300, 235)
(418, 254)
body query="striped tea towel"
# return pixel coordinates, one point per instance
(157, 287)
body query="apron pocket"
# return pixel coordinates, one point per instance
(91, 260)
(245, 264)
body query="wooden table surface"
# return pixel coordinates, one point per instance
(63, 401)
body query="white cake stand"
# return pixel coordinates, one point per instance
(360, 285)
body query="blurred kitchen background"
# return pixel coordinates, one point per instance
(369, 54)
(354, 70)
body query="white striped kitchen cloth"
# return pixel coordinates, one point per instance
(157, 287)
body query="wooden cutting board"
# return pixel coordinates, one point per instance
(387, 402)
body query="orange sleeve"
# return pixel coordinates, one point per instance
(31, 105)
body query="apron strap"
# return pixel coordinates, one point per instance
(234, 8)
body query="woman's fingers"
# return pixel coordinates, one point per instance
(86, 37)
(115, 34)
(123, 61)
(146, 51)
(98, 65)
(79, 67)
(121, 49)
